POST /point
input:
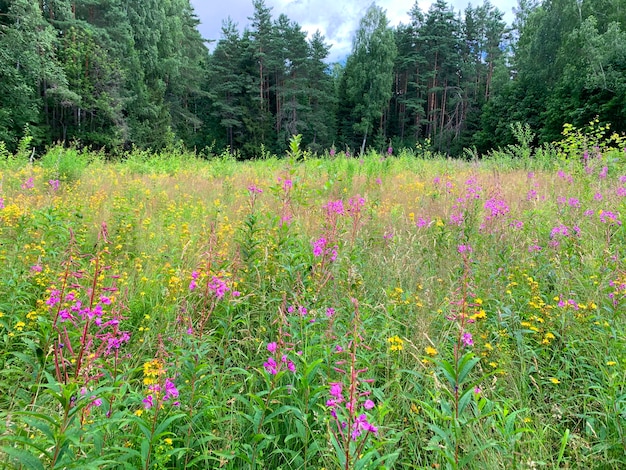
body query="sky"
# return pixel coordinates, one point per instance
(337, 20)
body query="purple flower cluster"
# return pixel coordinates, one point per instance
(28, 184)
(355, 204)
(564, 231)
(321, 248)
(168, 389)
(271, 366)
(496, 208)
(610, 218)
(472, 190)
(565, 176)
(464, 249)
(334, 207)
(218, 287)
(287, 184)
(421, 222)
(194, 278)
(253, 189)
(361, 423)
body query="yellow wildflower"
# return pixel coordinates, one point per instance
(554, 380)
(431, 351)
(151, 372)
(395, 343)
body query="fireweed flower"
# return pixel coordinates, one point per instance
(270, 366)
(28, 184)
(193, 284)
(457, 218)
(562, 230)
(218, 286)
(287, 184)
(361, 424)
(54, 184)
(336, 390)
(318, 247)
(148, 402)
(496, 207)
(54, 298)
(271, 347)
(422, 222)
(334, 207)
(369, 404)
(561, 174)
(170, 390)
(608, 217)
(467, 339)
(464, 249)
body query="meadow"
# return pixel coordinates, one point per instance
(404, 310)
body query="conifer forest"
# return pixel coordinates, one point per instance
(118, 74)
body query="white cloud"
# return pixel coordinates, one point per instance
(337, 20)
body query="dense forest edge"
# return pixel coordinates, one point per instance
(115, 76)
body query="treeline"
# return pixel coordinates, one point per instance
(113, 74)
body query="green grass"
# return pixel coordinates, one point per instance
(139, 298)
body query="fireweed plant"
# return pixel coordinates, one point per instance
(350, 404)
(166, 311)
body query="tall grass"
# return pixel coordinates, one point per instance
(404, 311)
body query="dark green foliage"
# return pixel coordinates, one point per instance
(105, 73)
(114, 74)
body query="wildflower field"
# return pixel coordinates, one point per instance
(403, 311)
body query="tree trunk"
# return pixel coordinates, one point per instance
(363, 144)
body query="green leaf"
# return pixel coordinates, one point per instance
(448, 371)
(165, 424)
(24, 458)
(466, 364)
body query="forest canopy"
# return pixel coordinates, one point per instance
(113, 75)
